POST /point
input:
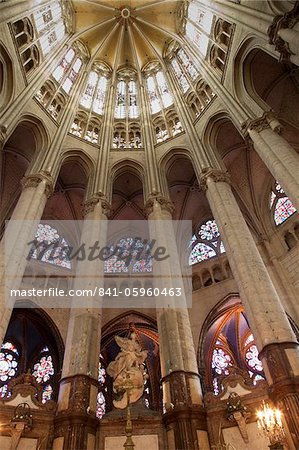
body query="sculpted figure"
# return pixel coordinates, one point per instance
(128, 371)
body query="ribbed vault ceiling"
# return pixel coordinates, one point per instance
(126, 32)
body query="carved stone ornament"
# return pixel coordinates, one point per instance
(128, 371)
(237, 412)
(164, 203)
(90, 204)
(33, 180)
(26, 385)
(287, 20)
(215, 174)
(236, 377)
(268, 120)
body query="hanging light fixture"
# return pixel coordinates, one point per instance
(269, 420)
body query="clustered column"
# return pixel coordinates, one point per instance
(76, 422)
(278, 155)
(182, 397)
(21, 229)
(276, 341)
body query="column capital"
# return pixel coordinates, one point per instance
(92, 201)
(283, 21)
(216, 175)
(268, 120)
(33, 180)
(164, 203)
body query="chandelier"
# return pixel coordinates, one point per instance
(270, 422)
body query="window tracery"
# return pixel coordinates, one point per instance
(124, 247)
(206, 242)
(54, 94)
(197, 93)
(221, 360)
(30, 353)
(9, 365)
(127, 130)
(158, 91)
(166, 122)
(280, 205)
(50, 247)
(88, 119)
(230, 343)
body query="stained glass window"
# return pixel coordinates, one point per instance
(120, 109)
(101, 405)
(206, 243)
(126, 100)
(132, 94)
(153, 95)
(49, 25)
(188, 64)
(68, 70)
(93, 99)
(252, 359)
(221, 360)
(43, 369)
(100, 95)
(158, 91)
(101, 401)
(198, 27)
(128, 255)
(180, 76)
(47, 393)
(64, 65)
(165, 94)
(50, 247)
(8, 361)
(231, 344)
(281, 205)
(201, 18)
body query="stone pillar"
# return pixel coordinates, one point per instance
(275, 339)
(284, 36)
(76, 422)
(183, 416)
(20, 230)
(278, 155)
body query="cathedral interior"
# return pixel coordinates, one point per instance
(154, 112)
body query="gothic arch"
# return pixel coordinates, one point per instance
(6, 77)
(81, 158)
(38, 130)
(127, 166)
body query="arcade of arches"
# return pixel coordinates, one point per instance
(146, 110)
